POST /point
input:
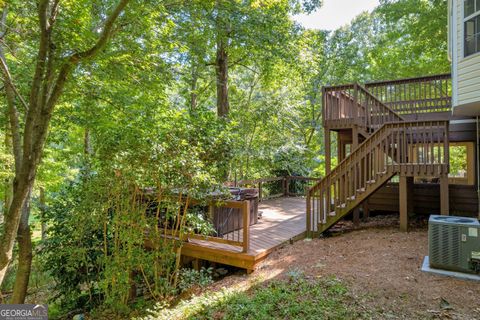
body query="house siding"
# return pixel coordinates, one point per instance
(467, 75)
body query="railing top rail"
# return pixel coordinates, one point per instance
(407, 80)
(255, 181)
(389, 82)
(273, 179)
(339, 87)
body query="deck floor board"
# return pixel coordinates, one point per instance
(282, 219)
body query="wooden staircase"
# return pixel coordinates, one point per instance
(392, 146)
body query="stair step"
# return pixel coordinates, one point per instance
(361, 190)
(332, 214)
(371, 181)
(382, 173)
(342, 206)
(352, 198)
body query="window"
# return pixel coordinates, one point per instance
(471, 25)
(461, 163)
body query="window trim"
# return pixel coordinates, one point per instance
(464, 20)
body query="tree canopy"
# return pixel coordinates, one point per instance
(102, 99)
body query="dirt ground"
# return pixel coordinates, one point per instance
(381, 267)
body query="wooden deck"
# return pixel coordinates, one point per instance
(283, 220)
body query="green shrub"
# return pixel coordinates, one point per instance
(190, 278)
(295, 298)
(136, 188)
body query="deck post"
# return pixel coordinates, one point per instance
(444, 205)
(410, 189)
(403, 203)
(287, 186)
(260, 191)
(356, 211)
(246, 226)
(327, 151)
(196, 264)
(354, 138)
(309, 216)
(366, 210)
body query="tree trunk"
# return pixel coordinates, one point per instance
(8, 144)
(25, 256)
(43, 208)
(222, 79)
(8, 182)
(21, 186)
(47, 86)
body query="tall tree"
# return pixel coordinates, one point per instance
(51, 71)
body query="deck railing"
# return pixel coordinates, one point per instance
(339, 105)
(233, 218)
(372, 112)
(345, 106)
(407, 148)
(229, 225)
(376, 103)
(275, 187)
(415, 95)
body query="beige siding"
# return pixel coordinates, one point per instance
(468, 69)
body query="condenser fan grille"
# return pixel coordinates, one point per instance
(444, 244)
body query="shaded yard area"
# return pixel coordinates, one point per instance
(379, 268)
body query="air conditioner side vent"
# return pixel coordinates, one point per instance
(444, 244)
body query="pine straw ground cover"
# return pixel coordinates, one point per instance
(372, 272)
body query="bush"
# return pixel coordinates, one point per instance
(135, 190)
(190, 278)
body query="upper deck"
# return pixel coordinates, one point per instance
(421, 98)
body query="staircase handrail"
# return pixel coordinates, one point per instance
(389, 110)
(363, 144)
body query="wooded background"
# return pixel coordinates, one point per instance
(102, 98)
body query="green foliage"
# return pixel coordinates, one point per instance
(298, 298)
(6, 169)
(141, 116)
(399, 39)
(198, 223)
(95, 247)
(6, 164)
(458, 161)
(73, 250)
(190, 278)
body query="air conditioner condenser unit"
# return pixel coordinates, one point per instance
(454, 243)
